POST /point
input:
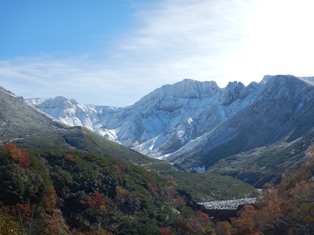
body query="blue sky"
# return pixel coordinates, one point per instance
(113, 52)
(54, 27)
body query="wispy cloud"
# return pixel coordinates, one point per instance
(46, 77)
(200, 39)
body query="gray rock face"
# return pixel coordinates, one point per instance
(233, 92)
(283, 110)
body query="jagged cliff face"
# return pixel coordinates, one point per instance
(282, 110)
(198, 123)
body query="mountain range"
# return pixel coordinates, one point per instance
(163, 121)
(197, 123)
(29, 128)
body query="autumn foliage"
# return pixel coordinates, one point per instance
(69, 158)
(202, 215)
(18, 155)
(97, 201)
(50, 198)
(287, 208)
(52, 192)
(223, 228)
(165, 231)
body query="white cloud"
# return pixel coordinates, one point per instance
(200, 39)
(45, 77)
(187, 39)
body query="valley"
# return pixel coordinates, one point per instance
(71, 168)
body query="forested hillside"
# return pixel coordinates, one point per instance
(52, 192)
(286, 208)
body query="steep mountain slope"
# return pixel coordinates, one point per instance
(161, 122)
(264, 164)
(20, 122)
(24, 126)
(283, 109)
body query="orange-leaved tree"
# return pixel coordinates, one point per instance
(50, 198)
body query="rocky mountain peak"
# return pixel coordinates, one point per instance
(266, 78)
(186, 89)
(192, 89)
(57, 102)
(233, 91)
(284, 86)
(284, 80)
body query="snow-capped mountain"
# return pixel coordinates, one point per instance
(197, 123)
(72, 113)
(283, 109)
(161, 122)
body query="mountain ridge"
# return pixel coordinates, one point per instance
(197, 124)
(259, 109)
(145, 125)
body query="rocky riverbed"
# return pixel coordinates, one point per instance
(227, 204)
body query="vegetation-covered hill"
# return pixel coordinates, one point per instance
(66, 192)
(286, 208)
(203, 187)
(266, 164)
(55, 192)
